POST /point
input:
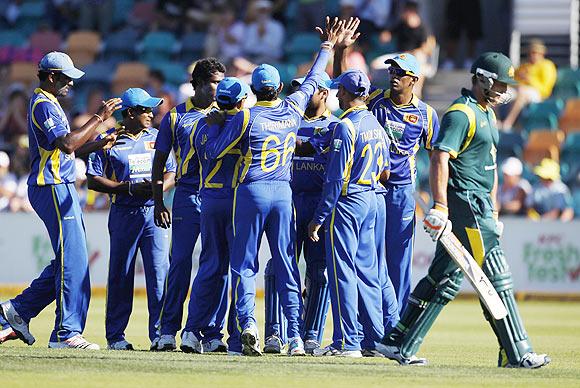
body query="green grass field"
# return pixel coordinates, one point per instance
(461, 350)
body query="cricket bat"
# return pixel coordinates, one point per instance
(481, 284)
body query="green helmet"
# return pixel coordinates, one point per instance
(495, 66)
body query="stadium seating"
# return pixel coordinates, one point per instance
(142, 14)
(576, 201)
(46, 41)
(570, 119)
(23, 72)
(129, 75)
(83, 47)
(543, 115)
(30, 16)
(567, 84)
(174, 73)
(120, 46)
(301, 46)
(543, 144)
(157, 45)
(12, 38)
(192, 46)
(510, 144)
(569, 158)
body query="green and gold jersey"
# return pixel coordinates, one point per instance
(469, 133)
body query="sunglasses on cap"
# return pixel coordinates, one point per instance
(398, 72)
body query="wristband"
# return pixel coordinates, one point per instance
(99, 118)
(327, 45)
(440, 207)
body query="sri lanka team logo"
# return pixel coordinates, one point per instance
(411, 118)
(149, 145)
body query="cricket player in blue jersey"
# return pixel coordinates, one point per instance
(409, 122)
(53, 196)
(307, 179)
(347, 209)
(266, 136)
(174, 134)
(209, 292)
(124, 172)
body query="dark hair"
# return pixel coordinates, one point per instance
(43, 75)
(203, 70)
(267, 93)
(125, 113)
(224, 106)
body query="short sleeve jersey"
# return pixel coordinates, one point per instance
(129, 160)
(308, 171)
(219, 177)
(407, 126)
(47, 122)
(174, 133)
(469, 134)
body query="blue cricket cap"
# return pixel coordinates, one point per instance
(264, 76)
(324, 81)
(134, 97)
(61, 63)
(354, 81)
(407, 62)
(231, 90)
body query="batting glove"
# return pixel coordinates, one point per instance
(435, 223)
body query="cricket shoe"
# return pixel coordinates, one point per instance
(296, 347)
(7, 335)
(310, 346)
(76, 342)
(372, 353)
(120, 345)
(234, 353)
(394, 353)
(532, 360)
(215, 346)
(190, 343)
(273, 345)
(165, 343)
(15, 321)
(330, 351)
(251, 341)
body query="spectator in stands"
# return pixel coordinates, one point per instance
(62, 15)
(157, 86)
(536, 78)
(514, 190)
(10, 12)
(8, 182)
(462, 15)
(13, 121)
(411, 35)
(550, 198)
(264, 36)
(225, 36)
(96, 14)
(309, 14)
(375, 16)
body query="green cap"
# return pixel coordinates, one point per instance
(496, 66)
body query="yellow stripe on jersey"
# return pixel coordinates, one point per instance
(236, 151)
(296, 107)
(245, 122)
(374, 94)
(55, 165)
(429, 127)
(191, 151)
(268, 104)
(353, 109)
(349, 162)
(247, 163)
(472, 125)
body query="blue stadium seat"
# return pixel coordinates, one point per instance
(287, 72)
(567, 84)
(31, 15)
(12, 38)
(569, 158)
(121, 45)
(122, 9)
(192, 46)
(302, 47)
(174, 73)
(543, 115)
(158, 45)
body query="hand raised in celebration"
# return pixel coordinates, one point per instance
(332, 30)
(348, 33)
(109, 107)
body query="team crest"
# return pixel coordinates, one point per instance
(403, 56)
(149, 145)
(336, 144)
(511, 72)
(49, 123)
(411, 118)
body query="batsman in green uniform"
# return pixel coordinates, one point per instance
(463, 181)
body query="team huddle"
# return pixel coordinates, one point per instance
(337, 190)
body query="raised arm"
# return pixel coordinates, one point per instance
(346, 38)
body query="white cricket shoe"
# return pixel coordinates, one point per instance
(310, 346)
(532, 360)
(394, 353)
(251, 341)
(273, 345)
(190, 343)
(165, 343)
(215, 346)
(296, 347)
(329, 351)
(120, 345)
(15, 321)
(154, 344)
(76, 342)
